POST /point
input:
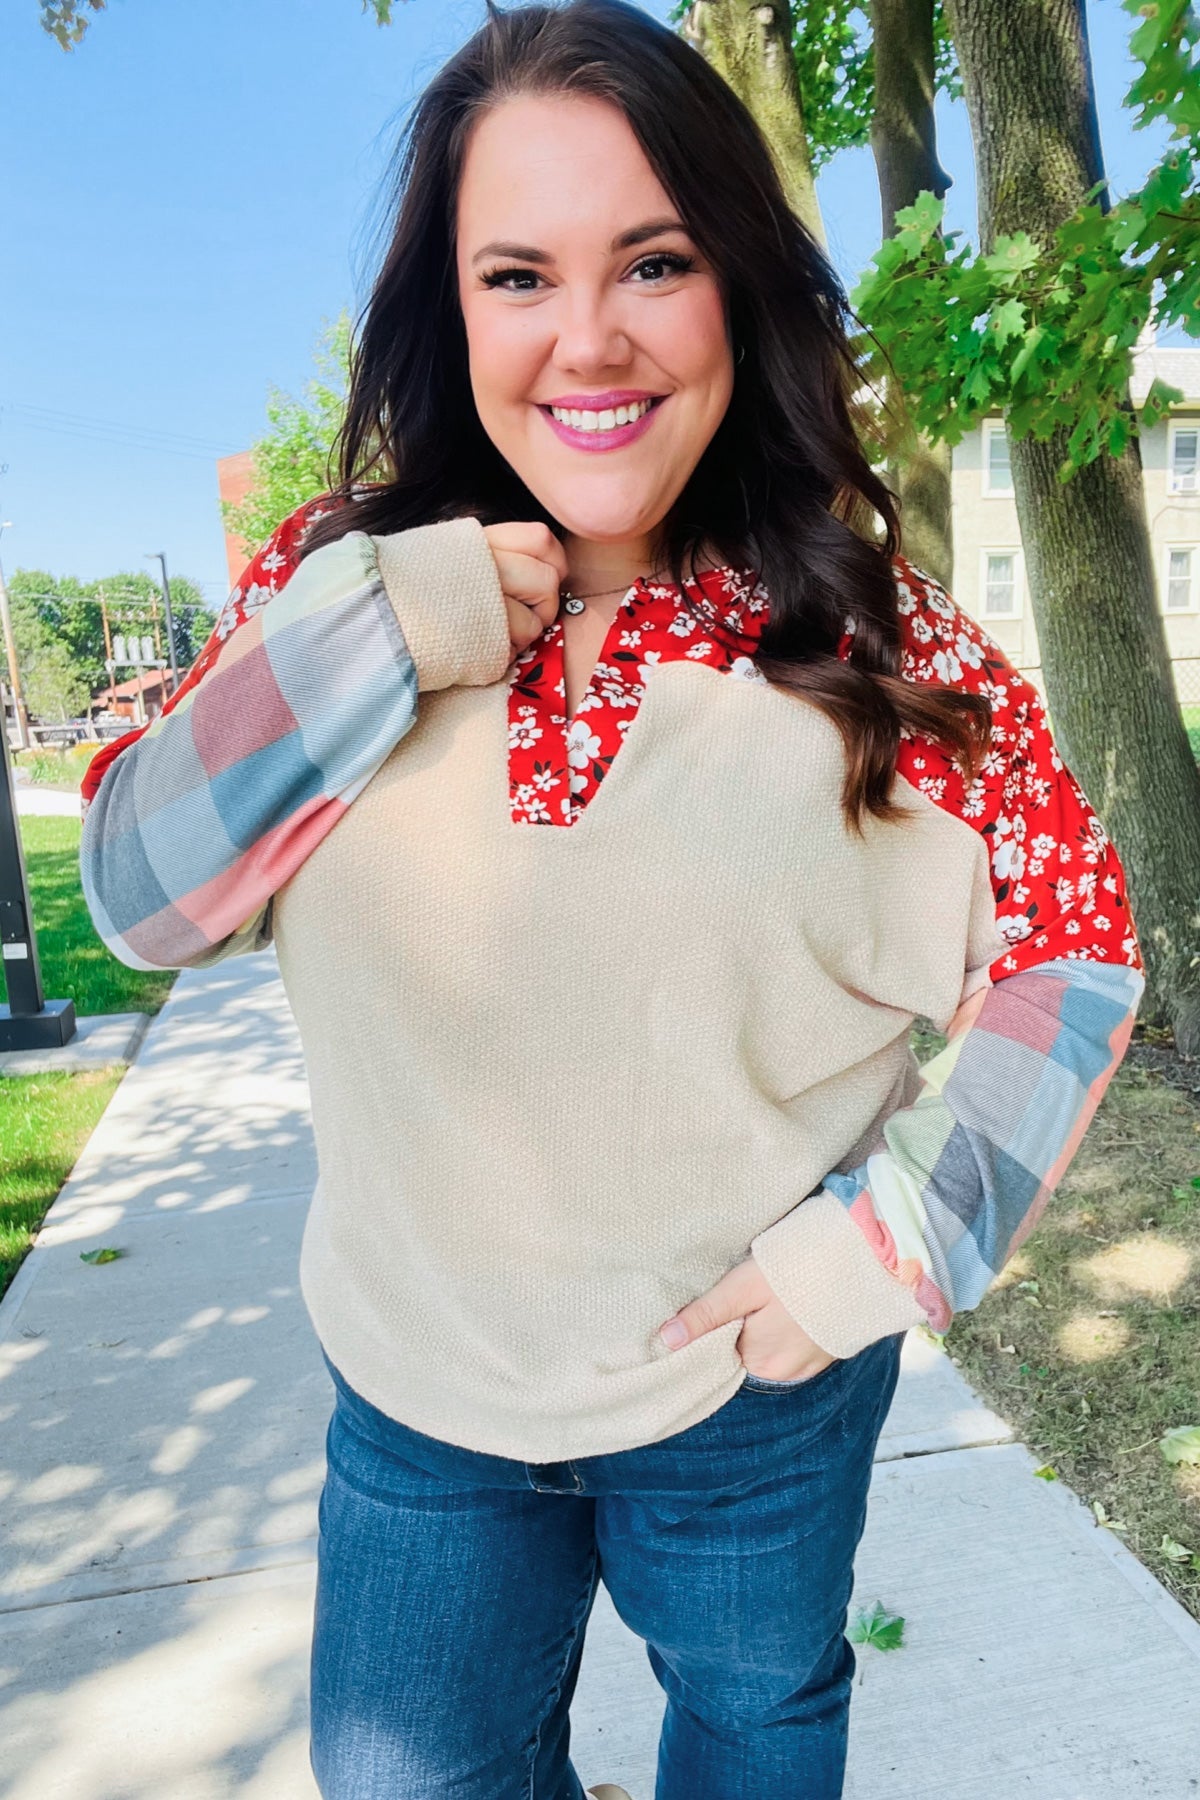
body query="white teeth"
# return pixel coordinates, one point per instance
(601, 421)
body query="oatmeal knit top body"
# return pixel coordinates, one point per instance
(594, 1008)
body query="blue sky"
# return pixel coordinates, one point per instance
(190, 193)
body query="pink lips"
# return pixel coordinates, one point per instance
(615, 439)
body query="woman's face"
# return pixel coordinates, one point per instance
(582, 291)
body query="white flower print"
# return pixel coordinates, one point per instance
(968, 651)
(1013, 926)
(974, 801)
(531, 805)
(696, 651)
(256, 597)
(682, 625)
(582, 745)
(272, 560)
(946, 666)
(1008, 851)
(744, 668)
(522, 733)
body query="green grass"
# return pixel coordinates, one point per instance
(1191, 718)
(75, 964)
(45, 1120)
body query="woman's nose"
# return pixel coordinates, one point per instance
(590, 336)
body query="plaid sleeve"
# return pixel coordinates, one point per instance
(198, 822)
(920, 1229)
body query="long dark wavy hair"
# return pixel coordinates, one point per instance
(784, 488)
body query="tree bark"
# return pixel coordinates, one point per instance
(1028, 79)
(904, 143)
(750, 45)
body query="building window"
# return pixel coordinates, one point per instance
(1185, 459)
(1179, 590)
(1001, 584)
(997, 463)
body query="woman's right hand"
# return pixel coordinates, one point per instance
(532, 566)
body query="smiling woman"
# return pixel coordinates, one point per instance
(616, 796)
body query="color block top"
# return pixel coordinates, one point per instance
(594, 1008)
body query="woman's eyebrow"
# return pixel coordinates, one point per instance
(637, 234)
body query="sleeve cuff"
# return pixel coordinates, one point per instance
(829, 1279)
(445, 590)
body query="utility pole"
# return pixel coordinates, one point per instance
(161, 557)
(109, 664)
(14, 673)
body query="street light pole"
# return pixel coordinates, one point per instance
(29, 1021)
(161, 557)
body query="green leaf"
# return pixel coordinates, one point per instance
(1173, 1550)
(1012, 255)
(108, 1254)
(879, 1627)
(1008, 321)
(1102, 1518)
(1182, 1445)
(1047, 1472)
(1035, 337)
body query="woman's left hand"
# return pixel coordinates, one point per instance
(770, 1343)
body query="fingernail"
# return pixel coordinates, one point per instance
(673, 1333)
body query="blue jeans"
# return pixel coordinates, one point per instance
(454, 1588)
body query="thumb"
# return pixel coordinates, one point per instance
(728, 1300)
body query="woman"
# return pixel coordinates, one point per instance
(665, 799)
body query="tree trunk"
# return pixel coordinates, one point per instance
(1027, 73)
(750, 45)
(904, 142)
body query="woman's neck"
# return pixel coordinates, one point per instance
(597, 565)
(600, 565)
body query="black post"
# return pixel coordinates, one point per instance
(170, 620)
(29, 1021)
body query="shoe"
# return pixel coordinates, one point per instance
(606, 1791)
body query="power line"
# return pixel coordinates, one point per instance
(127, 594)
(130, 437)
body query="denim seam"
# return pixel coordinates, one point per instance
(572, 1641)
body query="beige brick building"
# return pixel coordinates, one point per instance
(989, 565)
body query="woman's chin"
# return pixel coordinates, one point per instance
(602, 524)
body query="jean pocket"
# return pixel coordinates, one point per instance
(762, 1384)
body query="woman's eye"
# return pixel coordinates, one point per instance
(668, 261)
(500, 278)
(658, 267)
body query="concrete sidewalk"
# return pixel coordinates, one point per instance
(46, 803)
(163, 1419)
